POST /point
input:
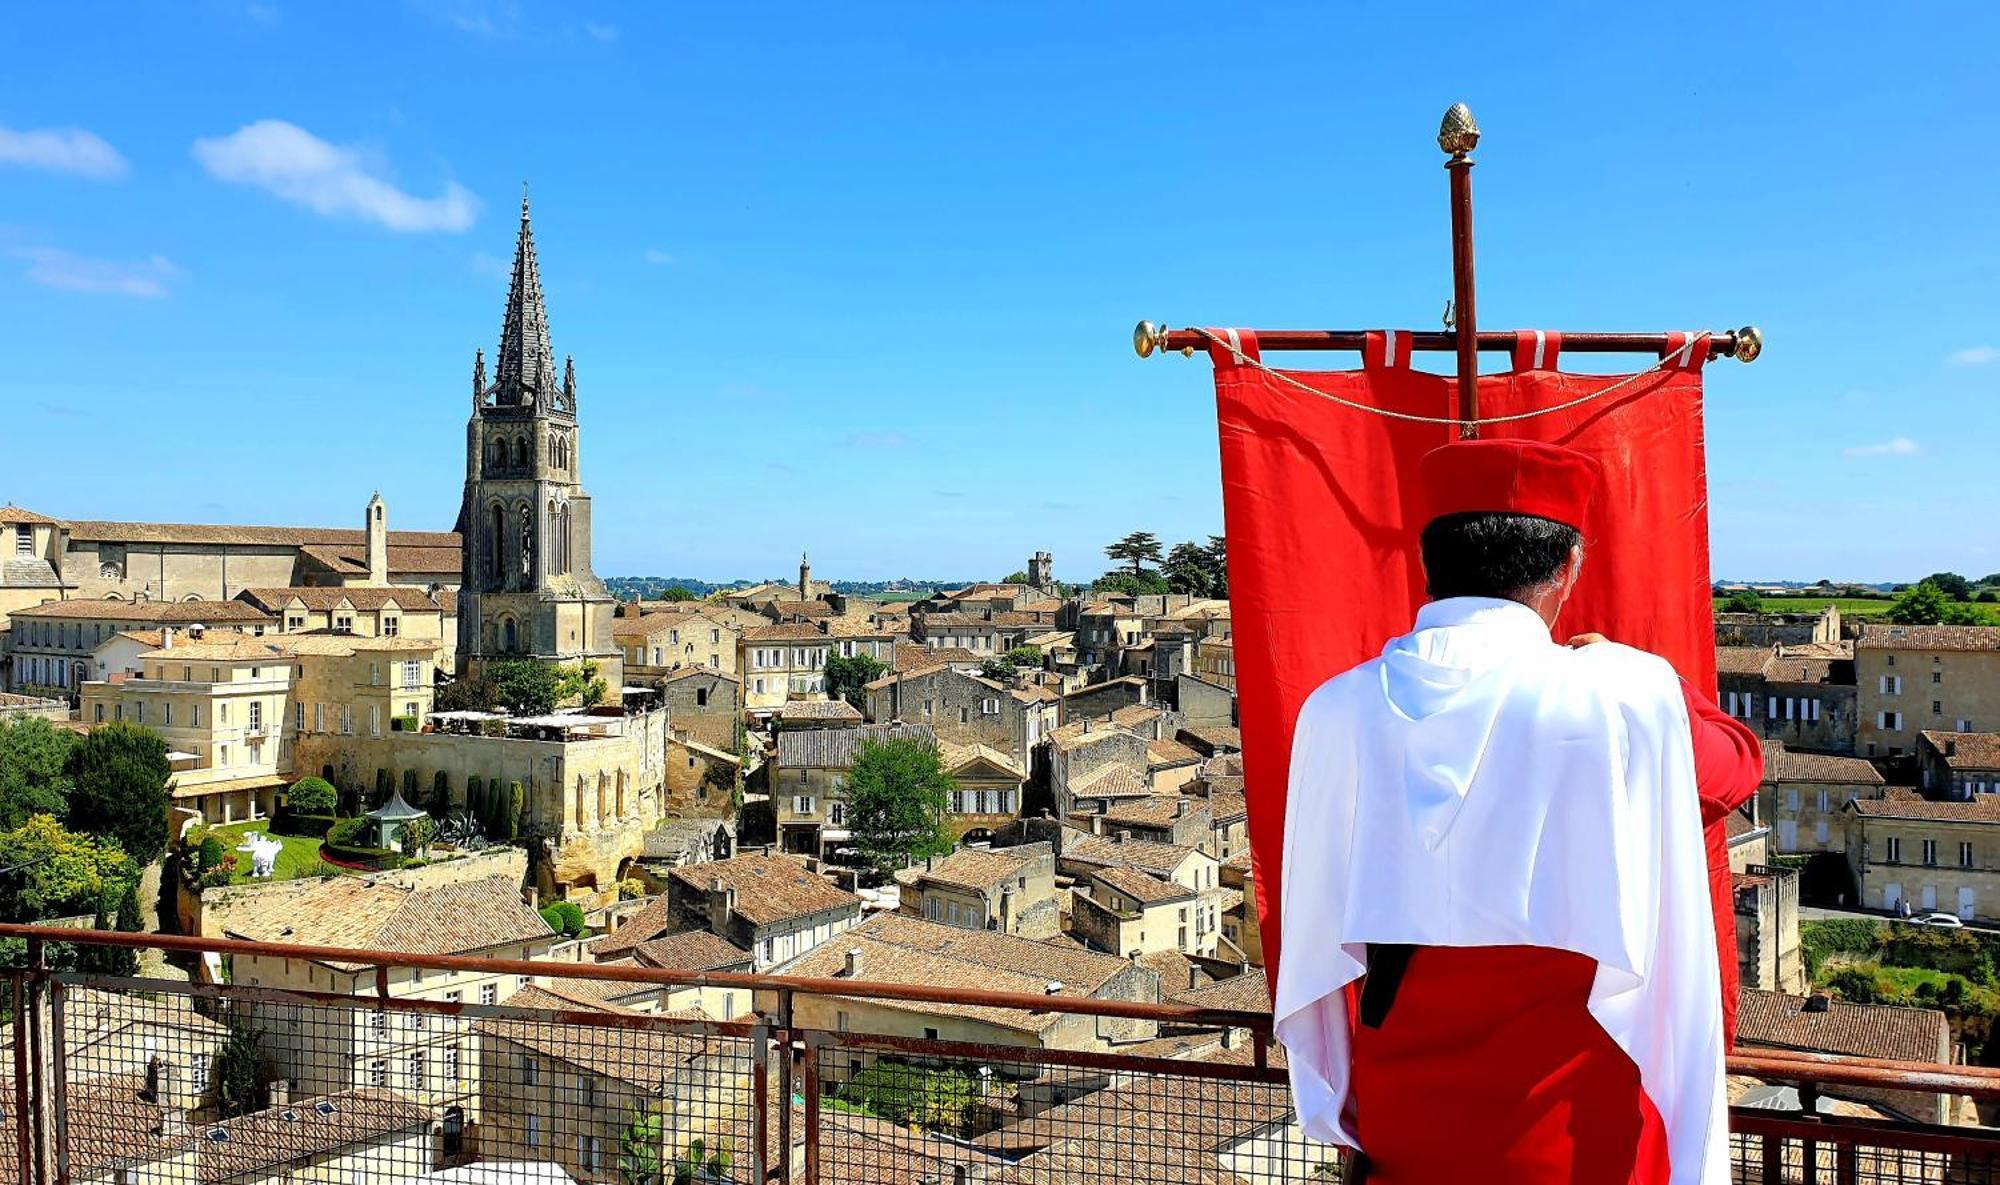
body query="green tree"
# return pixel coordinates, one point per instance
(1138, 549)
(1189, 569)
(467, 695)
(700, 1165)
(311, 796)
(1743, 602)
(475, 801)
(119, 778)
(240, 1077)
(34, 778)
(516, 802)
(1014, 578)
(897, 796)
(410, 786)
(120, 912)
(581, 684)
(1951, 584)
(676, 592)
(1147, 583)
(525, 686)
(439, 804)
(1857, 985)
(416, 835)
(848, 675)
(564, 917)
(51, 872)
(1218, 566)
(1923, 605)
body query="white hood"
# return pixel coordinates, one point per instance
(1479, 785)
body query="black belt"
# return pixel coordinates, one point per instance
(1386, 963)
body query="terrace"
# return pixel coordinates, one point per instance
(119, 1079)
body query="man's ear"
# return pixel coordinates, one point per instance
(1572, 569)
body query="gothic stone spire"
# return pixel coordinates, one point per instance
(525, 366)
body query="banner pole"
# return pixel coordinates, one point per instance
(1458, 135)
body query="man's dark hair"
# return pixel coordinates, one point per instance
(1488, 554)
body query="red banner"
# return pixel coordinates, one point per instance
(1321, 508)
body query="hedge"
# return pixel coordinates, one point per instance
(379, 859)
(305, 826)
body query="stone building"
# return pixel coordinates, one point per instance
(50, 648)
(81, 559)
(1959, 764)
(1804, 695)
(775, 907)
(701, 780)
(370, 611)
(1767, 929)
(1160, 818)
(1012, 890)
(1910, 678)
(660, 643)
(989, 788)
(1763, 631)
(966, 709)
(1819, 1024)
(527, 588)
(782, 662)
(706, 705)
(1933, 856)
(807, 780)
(1803, 797)
(1128, 911)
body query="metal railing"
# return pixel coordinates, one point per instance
(330, 1065)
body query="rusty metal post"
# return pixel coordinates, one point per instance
(813, 1042)
(788, 1063)
(60, 1063)
(1458, 135)
(23, 1138)
(41, 1070)
(760, 1102)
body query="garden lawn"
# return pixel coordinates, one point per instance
(300, 856)
(1849, 606)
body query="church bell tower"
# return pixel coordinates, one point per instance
(527, 589)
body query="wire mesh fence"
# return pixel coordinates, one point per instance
(323, 1072)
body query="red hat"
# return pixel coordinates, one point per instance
(1511, 477)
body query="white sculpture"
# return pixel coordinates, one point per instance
(263, 852)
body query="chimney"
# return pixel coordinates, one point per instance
(534, 897)
(1951, 748)
(377, 516)
(278, 1094)
(715, 884)
(1122, 836)
(167, 638)
(853, 970)
(1180, 809)
(967, 1174)
(1194, 977)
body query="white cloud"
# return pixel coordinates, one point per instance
(305, 170)
(601, 32)
(481, 18)
(1901, 446)
(62, 150)
(657, 257)
(55, 268)
(1972, 356)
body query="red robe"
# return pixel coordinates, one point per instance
(1489, 1066)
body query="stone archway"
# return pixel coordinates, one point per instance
(1826, 879)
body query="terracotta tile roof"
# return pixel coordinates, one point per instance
(1143, 887)
(11, 513)
(648, 624)
(981, 869)
(1112, 780)
(1153, 810)
(802, 608)
(1904, 803)
(641, 1057)
(836, 748)
(1079, 733)
(1134, 715)
(1790, 765)
(111, 1125)
(361, 912)
(956, 757)
(99, 530)
(1167, 1130)
(644, 924)
(1860, 1030)
(1108, 851)
(913, 658)
(324, 597)
(770, 889)
(793, 631)
(1217, 737)
(352, 560)
(153, 612)
(1928, 637)
(690, 671)
(1248, 992)
(854, 627)
(227, 646)
(832, 709)
(1162, 753)
(1741, 660)
(277, 1139)
(899, 949)
(693, 950)
(1965, 750)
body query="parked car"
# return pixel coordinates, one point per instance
(1946, 921)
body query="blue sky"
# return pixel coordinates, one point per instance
(860, 278)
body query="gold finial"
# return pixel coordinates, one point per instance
(1459, 134)
(1146, 337)
(1749, 343)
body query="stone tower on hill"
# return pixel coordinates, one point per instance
(527, 589)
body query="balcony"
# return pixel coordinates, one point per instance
(576, 1077)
